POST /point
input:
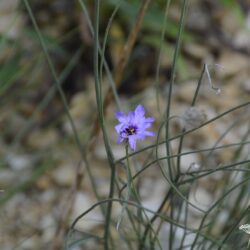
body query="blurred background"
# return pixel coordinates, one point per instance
(38, 154)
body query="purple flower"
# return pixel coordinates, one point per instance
(133, 127)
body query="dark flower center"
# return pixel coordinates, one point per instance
(131, 130)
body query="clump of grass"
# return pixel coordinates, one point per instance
(173, 224)
(175, 215)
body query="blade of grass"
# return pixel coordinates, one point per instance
(102, 124)
(157, 75)
(47, 98)
(108, 72)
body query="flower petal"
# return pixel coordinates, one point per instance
(139, 111)
(149, 133)
(119, 127)
(132, 142)
(120, 139)
(145, 125)
(131, 116)
(121, 116)
(149, 119)
(140, 136)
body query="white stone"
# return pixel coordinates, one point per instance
(48, 226)
(201, 199)
(155, 190)
(7, 178)
(64, 175)
(19, 162)
(189, 162)
(90, 220)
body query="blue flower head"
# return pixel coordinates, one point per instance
(133, 127)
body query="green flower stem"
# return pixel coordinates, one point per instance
(99, 102)
(157, 75)
(181, 144)
(198, 86)
(168, 109)
(173, 73)
(132, 189)
(129, 187)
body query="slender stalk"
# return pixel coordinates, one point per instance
(174, 64)
(180, 149)
(132, 188)
(157, 75)
(198, 86)
(185, 223)
(129, 187)
(102, 125)
(179, 154)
